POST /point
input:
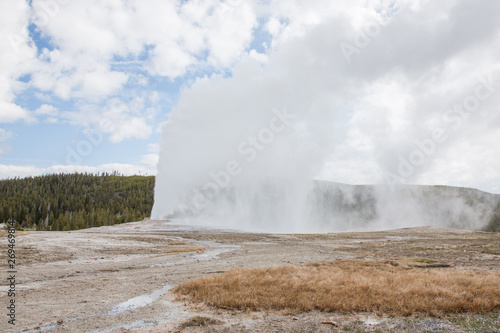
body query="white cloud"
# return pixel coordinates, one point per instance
(10, 112)
(288, 19)
(170, 61)
(426, 57)
(92, 33)
(76, 76)
(5, 149)
(355, 170)
(116, 119)
(16, 55)
(50, 113)
(403, 96)
(120, 123)
(5, 135)
(472, 161)
(154, 147)
(51, 120)
(150, 160)
(47, 110)
(88, 40)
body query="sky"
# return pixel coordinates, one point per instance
(393, 91)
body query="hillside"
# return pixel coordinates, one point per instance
(75, 201)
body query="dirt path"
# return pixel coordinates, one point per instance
(117, 279)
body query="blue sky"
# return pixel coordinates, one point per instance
(57, 47)
(87, 86)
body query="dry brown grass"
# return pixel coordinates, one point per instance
(349, 286)
(186, 249)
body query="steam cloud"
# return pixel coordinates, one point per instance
(242, 151)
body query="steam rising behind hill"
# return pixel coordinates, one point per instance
(277, 206)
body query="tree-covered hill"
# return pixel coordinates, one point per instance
(75, 201)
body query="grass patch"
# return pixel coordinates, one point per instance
(349, 286)
(199, 321)
(478, 323)
(186, 249)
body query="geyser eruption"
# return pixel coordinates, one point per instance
(243, 151)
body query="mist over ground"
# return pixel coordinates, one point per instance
(397, 93)
(276, 205)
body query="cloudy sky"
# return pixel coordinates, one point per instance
(391, 91)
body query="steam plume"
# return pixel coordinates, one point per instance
(243, 151)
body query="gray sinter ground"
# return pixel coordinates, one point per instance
(117, 279)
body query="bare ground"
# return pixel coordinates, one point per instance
(117, 279)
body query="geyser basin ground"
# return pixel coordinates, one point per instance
(81, 276)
